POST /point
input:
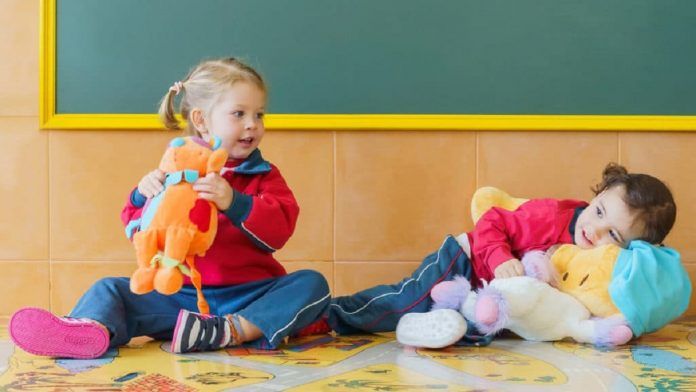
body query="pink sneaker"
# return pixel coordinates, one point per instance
(39, 332)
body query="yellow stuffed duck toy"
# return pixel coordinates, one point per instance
(604, 296)
(175, 226)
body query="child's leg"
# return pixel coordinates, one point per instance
(118, 313)
(110, 302)
(39, 332)
(261, 313)
(293, 302)
(379, 308)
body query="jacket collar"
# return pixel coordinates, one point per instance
(253, 164)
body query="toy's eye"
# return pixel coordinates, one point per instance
(565, 276)
(584, 279)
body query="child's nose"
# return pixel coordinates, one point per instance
(600, 233)
(250, 124)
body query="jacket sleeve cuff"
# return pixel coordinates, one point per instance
(497, 258)
(240, 208)
(137, 198)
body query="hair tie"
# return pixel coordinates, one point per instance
(176, 87)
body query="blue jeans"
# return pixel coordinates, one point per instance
(379, 308)
(279, 307)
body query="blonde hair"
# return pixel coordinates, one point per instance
(202, 87)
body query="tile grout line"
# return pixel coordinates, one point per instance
(335, 204)
(476, 160)
(48, 228)
(618, 148)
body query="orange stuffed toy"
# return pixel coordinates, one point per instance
(175, 226)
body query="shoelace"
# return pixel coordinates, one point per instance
(211, 328)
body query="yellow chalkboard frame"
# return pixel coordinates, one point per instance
(49, 119)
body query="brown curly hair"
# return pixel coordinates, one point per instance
(649, 197)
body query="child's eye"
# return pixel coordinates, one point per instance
(615, 236)
(238, 113)
(599, 212)
(260, 115)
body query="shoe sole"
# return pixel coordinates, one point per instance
(39, 332)
(434, 329)
(178, 331)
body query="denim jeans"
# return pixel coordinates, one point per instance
(379, 308)
(278, 306)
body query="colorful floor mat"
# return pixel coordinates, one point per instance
(663, 361)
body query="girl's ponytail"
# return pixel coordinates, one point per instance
(166, 109)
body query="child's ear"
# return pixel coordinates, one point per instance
(217, 160)
(196, 118)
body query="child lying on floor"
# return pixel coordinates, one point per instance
(626, 207)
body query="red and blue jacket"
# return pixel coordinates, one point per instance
(260, 220)
(501, 235)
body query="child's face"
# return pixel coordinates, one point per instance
(237, 119)
(607, 220)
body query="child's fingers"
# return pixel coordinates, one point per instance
(159, 175)
(154, 186)
(204, 187)
(206, 196)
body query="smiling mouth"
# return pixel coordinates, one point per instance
(586, 239)
(247, 140)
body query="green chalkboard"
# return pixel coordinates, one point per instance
(548, 57)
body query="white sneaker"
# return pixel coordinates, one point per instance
(434, 329)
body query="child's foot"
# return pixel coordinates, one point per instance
(39, 332)
(434, 329)
(200, 332)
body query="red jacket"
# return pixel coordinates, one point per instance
(501, 235)
(260, 220)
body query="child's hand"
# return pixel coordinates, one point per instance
(552, 249)
(152, 183)
(216, 189)
(508, 269)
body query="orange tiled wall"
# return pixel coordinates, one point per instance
(373, 203)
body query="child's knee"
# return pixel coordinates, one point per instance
(314, 281)
(111, 284)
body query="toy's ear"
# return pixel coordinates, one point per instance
(216, 160)
(177, 142)
(488, 197)
(215, 143)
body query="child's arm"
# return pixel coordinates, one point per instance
(499, 233)
(149, 186)
(267, 218)
(491, 239)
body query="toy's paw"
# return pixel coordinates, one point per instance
(450, 294)
(621, 334)
(168, 280)
(434, 329)
(537, 264)
(612, 331)
(141, 281)
(490, 311)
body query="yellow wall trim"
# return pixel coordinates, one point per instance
(377, 122)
